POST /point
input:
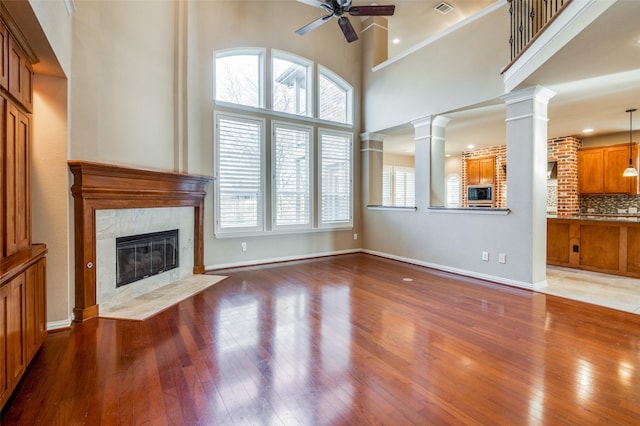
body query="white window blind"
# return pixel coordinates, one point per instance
(335, 178)
(404, 187)
(453, 190)
(240, 173)
(387, 175)
(291, 159)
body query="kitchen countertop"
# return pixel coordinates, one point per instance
(599, 217)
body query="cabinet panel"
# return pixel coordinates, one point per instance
(616, 159)
(591, 171)
(473, 172)
(600, 246)
(481, 170)
(35, 301)
(4, 56)
(17, 354)
(17, 207)
(5, 382)
(558, 243)
(15, 81)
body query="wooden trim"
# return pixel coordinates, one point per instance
(107, 186)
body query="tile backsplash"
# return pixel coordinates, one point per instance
(608, 204)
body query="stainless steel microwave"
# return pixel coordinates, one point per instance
(480, 195)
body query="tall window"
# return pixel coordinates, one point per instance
(398, 186)
(291, 84)
(291, 159)
(240, 171)
(335, 97)
(335, 178)
(239, 77)
(453, 189)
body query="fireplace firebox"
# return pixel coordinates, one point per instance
(144, 255)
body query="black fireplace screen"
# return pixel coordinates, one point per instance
(141, 256)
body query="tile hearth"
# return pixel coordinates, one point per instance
(148, 304)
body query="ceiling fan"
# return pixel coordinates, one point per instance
(339, 8)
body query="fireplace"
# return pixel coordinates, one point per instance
(145, 255)
(116, 193)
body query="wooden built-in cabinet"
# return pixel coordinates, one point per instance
(611, 247)
(481, 170)
(600, 170)
(22, 263)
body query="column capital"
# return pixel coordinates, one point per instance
(537, 93)
(371, 136)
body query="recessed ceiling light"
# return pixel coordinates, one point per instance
(395, 41)
(447, 155)
(471, 146)
(587, 130)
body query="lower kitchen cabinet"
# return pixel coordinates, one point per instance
(611, 247)
(22, 314)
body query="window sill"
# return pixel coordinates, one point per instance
(470, 210)
(280, 232)
(392, 208)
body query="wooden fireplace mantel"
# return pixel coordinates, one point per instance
(99, 186)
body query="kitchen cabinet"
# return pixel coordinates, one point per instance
(611, 247)
(481, 170)
(600, 170)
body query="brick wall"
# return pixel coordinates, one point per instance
(563, 150)
(500, 185)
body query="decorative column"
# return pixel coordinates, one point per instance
(526, 124)
(375, 29)
(422, 139)
(372, 151)
(438, 193)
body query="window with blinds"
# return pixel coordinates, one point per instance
(335, 165)
(291, 165)
(453, 189)
(398, 186)
(240, 171)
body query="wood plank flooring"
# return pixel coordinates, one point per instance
(342, 340)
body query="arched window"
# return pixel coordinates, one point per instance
(239, 77)
(335, 97)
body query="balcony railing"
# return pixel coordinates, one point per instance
(528, 19)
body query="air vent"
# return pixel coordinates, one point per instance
(443, 8)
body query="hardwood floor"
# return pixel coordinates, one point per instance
(343, 340)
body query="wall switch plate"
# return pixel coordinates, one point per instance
(485, 256)
(355, 236)
(243, 246)
(502, 258)
(633, 210)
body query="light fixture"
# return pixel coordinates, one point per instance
(587, 130)
(630, 171)
(395, 40)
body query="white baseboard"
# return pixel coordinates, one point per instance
(466, 273)
(57, 325)
(278, 259)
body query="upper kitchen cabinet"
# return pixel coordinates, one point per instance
(20, 75)
(600, 170)
(481, 170)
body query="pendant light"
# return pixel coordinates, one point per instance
(630, 171)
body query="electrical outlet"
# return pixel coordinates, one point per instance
(502, 258)
(243, 246)
(355, 236)
(485, 256)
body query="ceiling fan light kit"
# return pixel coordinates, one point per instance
(337, 9)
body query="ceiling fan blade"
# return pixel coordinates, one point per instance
(347, 29)
(313, 25)
(314, 3)
(372, 10)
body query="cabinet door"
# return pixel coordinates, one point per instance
(473, 172)
(35, 327)
(487, 170)
(616, 159)
(16, 308)
(17, 189)
(4, 56)
(5, 381)
(591, 171)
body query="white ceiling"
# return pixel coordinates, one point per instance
(596, 77)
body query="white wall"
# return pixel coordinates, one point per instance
(226, 24)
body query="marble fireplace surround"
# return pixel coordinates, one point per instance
(99, 186)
